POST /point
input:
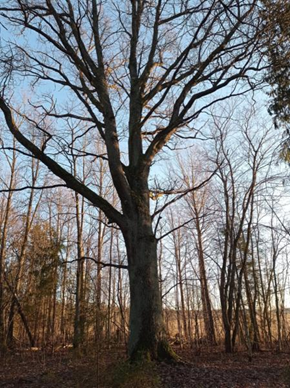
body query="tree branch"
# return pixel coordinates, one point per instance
(120, 266)
(70, 180)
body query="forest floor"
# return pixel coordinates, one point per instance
(107, 369)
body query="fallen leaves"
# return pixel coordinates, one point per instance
(211, 369)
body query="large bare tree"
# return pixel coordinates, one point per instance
(136, 74)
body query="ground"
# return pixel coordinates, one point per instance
(210, 369)
(220, 370)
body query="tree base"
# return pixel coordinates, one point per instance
(162, 352)
(166, 353)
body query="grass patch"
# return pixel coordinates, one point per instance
(134, 375)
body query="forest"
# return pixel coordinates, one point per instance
(144, 193)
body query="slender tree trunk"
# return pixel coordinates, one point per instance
(121, 298)
(63, 292)
(179, 281)
(178, 335)
(99, 317)
(110, 293)
(205, 298)
(18, 278)
(79, 313)
(264, 314)
(252, 311)
(22, 315)
(79, 321)
(189, 310)
(277, 310)
(54, 305)
(3, 241)
(101, 233)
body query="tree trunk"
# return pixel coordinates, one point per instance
(22, 315)
(3, 243)
(63, 318)
(205, 298)
(147, 334)
(99, 317)
(228, 340)
(252, 312)
(198, 210)
(177, 243)
(79, 319)
(79, 313)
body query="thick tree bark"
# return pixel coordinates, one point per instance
(147, 334)
(146, 324)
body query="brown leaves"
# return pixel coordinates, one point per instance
(215, 370)
(211, 369)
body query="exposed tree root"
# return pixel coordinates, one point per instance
(162, 351)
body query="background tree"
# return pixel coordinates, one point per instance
(3, 246)
(276, 15)
(28, 220)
